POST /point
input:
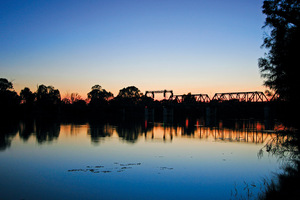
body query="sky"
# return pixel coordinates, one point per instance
(197, 46)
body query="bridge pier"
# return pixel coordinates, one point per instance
(266, 112)
(149, 114)
(210, 115)
(168, 114)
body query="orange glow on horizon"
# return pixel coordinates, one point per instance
(82, 88)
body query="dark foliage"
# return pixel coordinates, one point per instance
(27, 96)
(9, 99)
(99, 95)
(280, 65)
(128, 97)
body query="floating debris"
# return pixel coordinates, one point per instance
(126, 167)
(96, 169)
(77, 170)
(130, 164)
(106, 171)
(166, 168)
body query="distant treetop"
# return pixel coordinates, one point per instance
(5, 84)
(130, 92)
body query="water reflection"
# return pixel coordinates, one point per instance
(99, 130)
(26, 129)
(188, 159)
(46, 131)
(8, 130)
(286, 148)
(129, 131)
(231, 131)
(251, 131)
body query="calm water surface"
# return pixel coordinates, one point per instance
(50, 160)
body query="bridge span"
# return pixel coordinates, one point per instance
(253, 96)
(159, 91)
(197, 97)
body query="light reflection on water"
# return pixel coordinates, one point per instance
(49, 160)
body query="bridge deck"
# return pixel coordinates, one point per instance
(253, 96)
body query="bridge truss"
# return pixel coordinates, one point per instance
(160, 91)
(198, 97)
(255, 96)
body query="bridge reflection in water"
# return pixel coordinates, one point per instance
(241, 131)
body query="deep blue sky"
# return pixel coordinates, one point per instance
(201, 46)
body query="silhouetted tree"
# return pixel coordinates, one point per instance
(27, 96)
(79, 107)
(66, 101)
(74, 105)
(99, 95)
(5, 84)
(9, 99)
(47, 95)
(269, 93)
(75, 97)
(48, 99)
(129, 95)
(130, 92)
(280, 65)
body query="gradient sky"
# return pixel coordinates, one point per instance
(198, 46)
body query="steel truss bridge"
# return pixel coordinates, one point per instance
(160, 91)
(198, 97)
(241, 96)
(254, 96)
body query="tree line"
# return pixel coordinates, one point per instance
(48, 99)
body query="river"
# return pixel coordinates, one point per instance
(47, 159)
